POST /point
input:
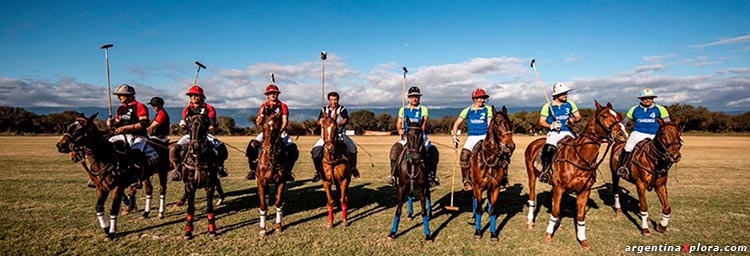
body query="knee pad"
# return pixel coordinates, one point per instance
(317, 152)
(174, 153)
(465, 157)
(396, 150)
(252, 148)
(292, 152)
(223, 154)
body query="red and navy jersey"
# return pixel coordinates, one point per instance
(162, 130)
(276, 106)
(202, 108)
(131, 113)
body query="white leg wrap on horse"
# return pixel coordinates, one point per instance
(147, 208)
(102, 221)
(617, 201)
(664, 220)
(532, 208)
(262, 218)
(552, 224)
(644, 220)
(162, 203)
(581, 232)
(279, 213)
(112, 224)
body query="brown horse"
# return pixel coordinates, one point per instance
(649, 164)
(336, 167)
(489, 162)
(199, 170)
(109, 165)
(574, 167)
(411, 176)
(275, 162)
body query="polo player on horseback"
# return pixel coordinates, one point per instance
(159, 127)
(418, 114)
(556, 116)
(272, 101)
(198, 106)
(477, 117)
(342, 118)
(644, 116)
(129, 124)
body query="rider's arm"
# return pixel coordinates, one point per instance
(575, 118)
(543, 122)
(458, 122)
(283, 122)
(399, 126)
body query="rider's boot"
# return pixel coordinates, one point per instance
(548, 152)
(432, 161)
(252, 158)
(622, 170)
(318, 164)
(353, 163)
(176, 159)
(465, 169)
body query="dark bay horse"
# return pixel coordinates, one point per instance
(648, 167)
(489, 162)
(336, 167)
(199, 170)
(411, 177)
(574, 167)
(273, 162)
(111, 166)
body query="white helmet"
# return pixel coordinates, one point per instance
(646, 93)
(559, 88)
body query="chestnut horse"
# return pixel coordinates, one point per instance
(111, 166)
(336, 167)
(411, 176)
(574, 167)
(273, 161)
(489, 162)
(199, 170)
(648, 167)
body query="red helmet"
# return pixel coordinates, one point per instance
(479, 93)
(195, 90)
(271, 88)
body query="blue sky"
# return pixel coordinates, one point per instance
(695, 52)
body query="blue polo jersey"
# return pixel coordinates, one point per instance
(476, 119)
(415, 114)
(561, 112)
(644, 118)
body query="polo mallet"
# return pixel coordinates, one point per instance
(403, 88)
(453, 182)
(109, 89)
(273, 79)
(200, 65)
(539, 79)
(323, 57)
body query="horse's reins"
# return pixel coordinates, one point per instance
(598, 140)
(658, 157)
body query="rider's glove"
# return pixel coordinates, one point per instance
(555, 126)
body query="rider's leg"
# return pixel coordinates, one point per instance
(252, 157)
(548, 152)
(222, 155)
(394, 156)
(292, 155)
(175, 158)
(351, 148)
(432, 161)
(465, 165)
(316, 153)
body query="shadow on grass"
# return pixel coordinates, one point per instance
(567, 203)
(629, 203)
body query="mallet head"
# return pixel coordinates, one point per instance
(105, 46)
(532, 62)
(273, 79)
(323, 55)
(405, 70)
(200, 65)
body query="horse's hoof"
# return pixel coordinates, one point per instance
(212, 234)
(262, 233)
(392, 236)
(585, 245)
(428, 238)
(346, 223)
(618, 211)
(161, 216)
(660, 228)
(187, 236)
(494, 237)
(547, 238)
(529, 225)
(109, 236)
(645, 232)
(477, 234)
(278, 227)
(329, 225)
(145, 215)
(218, 202)
(410, 217)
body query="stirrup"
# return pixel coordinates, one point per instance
(390, 180)
(467, 185)
(317, 177)
(175, 175)
(355, 172)
(623, 172)
(223, 172)
(434, 181)
(250, 175)
(544, 177)
(91, 184)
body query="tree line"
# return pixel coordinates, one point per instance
(19, 121)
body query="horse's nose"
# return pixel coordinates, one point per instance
(677, 157)
(62, 148)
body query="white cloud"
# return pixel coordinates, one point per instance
(659, 58)
(734, 70)
(707, 63)
(571, 57)
(650, 67)
(723, 41)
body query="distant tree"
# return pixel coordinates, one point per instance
(17, 120)
(385, 122)
(55, 123)
(361, 120)
(741, 122)
(227, 126)
(295, 128)
(311, 126)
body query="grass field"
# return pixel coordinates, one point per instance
(47, 209)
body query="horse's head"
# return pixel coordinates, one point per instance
(271, 125)
(76, 133)
(414, 141)
(198, 130)
(606, 123)
(668, 136)
(328, 127)
(500, 131)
